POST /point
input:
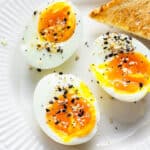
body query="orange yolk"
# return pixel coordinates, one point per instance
(129, 72)
(57, 22)
(75, 118)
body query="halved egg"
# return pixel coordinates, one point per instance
(53, 34)
(66, 109)
(122, 66)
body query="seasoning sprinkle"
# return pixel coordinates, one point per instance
(140, 84)
(81, 113)
(51, 102)
(56, 98)
(47, 110)
(73, 100)
(35, 12)
(58, 112)
(69, 115)
(57, 122)
(70, 86)
(39, 70)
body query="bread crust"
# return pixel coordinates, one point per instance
(130, 15)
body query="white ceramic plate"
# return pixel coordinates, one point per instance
(122, 125)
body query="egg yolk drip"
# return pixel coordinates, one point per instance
(57, 23)
(72, 114)
(126, 72)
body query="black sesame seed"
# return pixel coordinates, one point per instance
(128, 41)
(51, 102)
(65, 106)
(38, 69)
(106, 57)
(73, 100)
(81, 113)
(97, 82)
(56, 98)
(125, 61)
(55, 34)
(58, 112)
(110, 55)
(130, 37)
(105, 47)
(68, 13)
(59, 89)
(70, 86)
(38, 45)
(60, 73)
(64, 96)
(105, 42)
(119, 66)
(48, 49)
(68, 115)
(121, 52)
(115, 37)
(64, 110)
(42, 33)
(47, 110)
(57, 122)
(68, 27)
(128, 81)
(35, 12)
(65, 91)
(86, 43)
(140, 84)
(65, 19)
(107, 33)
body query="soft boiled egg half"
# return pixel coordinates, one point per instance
(122, 66)
(53, 34)
(66, 109)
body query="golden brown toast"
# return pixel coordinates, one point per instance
(130, 15)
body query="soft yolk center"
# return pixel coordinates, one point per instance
(129, 72)
(71, 118)
(57, 22)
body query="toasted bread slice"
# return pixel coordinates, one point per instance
(130, 15)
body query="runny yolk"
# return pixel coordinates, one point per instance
(71, 118)
(129, 72)
(57, 22)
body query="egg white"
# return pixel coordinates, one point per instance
(99, 57)
(45, 90)
(42, 58)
